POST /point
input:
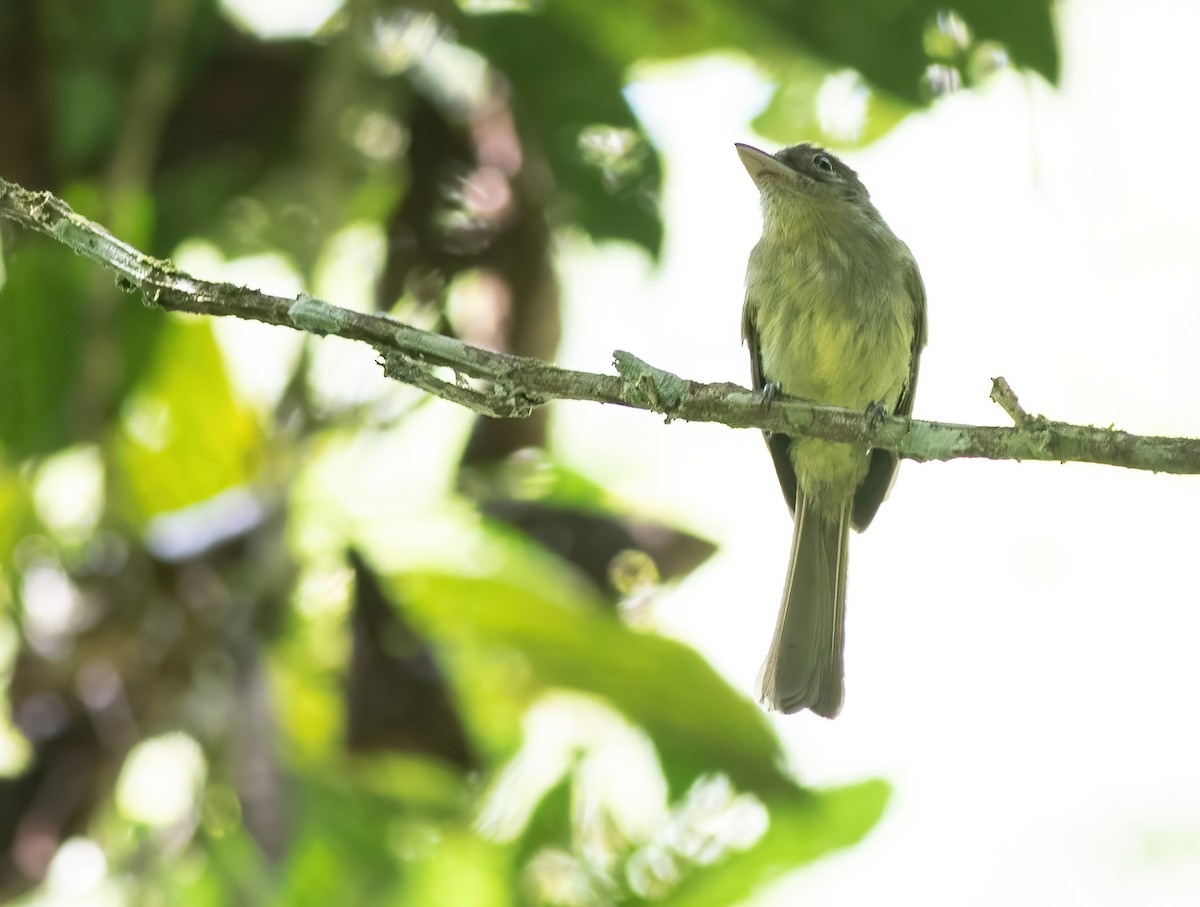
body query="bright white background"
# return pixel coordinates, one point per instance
(1021, 642)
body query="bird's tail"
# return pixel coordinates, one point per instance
(803, 669)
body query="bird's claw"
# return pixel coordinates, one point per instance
(768, 392)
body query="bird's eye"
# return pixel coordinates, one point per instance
(823, 163)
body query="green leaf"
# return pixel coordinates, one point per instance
(341, 851)
(791, 114)
(550, 823)
(183, 436)
(801, 830)
(355, 848)
(87, 105)
(564, 93)
(71, 344)
(234, 862)
(42, 329)
(884, 39)
(17, 517)
(698, 723)
(462, 869)
(626, 32)
(421, 783)
(535, 475)
(1026, 28)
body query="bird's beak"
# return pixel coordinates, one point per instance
(758, 163)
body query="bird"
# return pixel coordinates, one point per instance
(834, 312)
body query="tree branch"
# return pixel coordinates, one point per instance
(512, 386)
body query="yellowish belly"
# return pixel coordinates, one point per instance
(850, 353)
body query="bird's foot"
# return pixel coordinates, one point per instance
(768, 392)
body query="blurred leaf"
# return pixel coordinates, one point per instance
(233, 161)
(97, 42)
(16, 514)
(796, 43)
(561, 88)
(461, 869)
(355, 848)
(397, 698)
(42, 332)
(577, 519)
(88, 107)
(621, 556)
(802, 829)
(535, 475)
(183, 435)
(792, 111)
(884, 39)
(1026, 28)
(71, 344)
(424, 784)
(698, 723)
(550, 823)
(237, 865)
(191, 882)
(626, 32)
(341, 851)
(308, 703)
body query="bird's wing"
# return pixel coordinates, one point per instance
(778, 444)
(882, 471)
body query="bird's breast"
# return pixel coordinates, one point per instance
(829, 330)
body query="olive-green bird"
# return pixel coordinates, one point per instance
(835, 313)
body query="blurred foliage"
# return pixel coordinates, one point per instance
(436, 689)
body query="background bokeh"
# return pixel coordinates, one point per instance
(278, 630)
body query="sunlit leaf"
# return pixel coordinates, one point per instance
(462, 869)
(184, 436)
(697, 722)
(16, 514)
(794, 111)
(884, 40)
(802, 829)
(341, 848)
